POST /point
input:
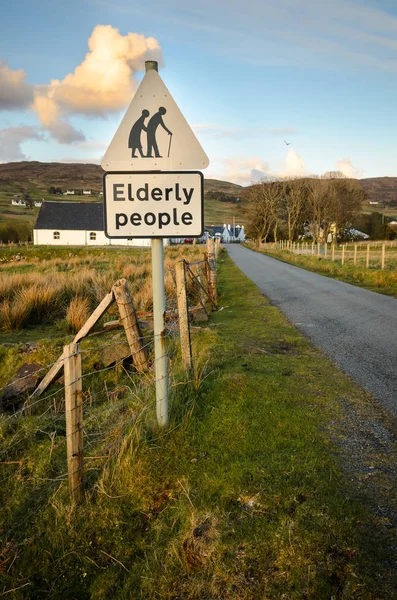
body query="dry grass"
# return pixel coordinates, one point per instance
(12, 316)
(77, 313)
(45, 294)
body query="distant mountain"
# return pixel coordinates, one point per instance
(381, 189)
(41, 176)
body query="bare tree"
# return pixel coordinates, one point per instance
(319, 208)
(263, 198)
(294, 204)
(345, 199)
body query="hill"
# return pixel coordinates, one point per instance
(75, 176)
(37, 178)
(381, 189)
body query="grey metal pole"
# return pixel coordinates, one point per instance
(160, 355)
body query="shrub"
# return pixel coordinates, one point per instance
(77, 313)
(13, 316)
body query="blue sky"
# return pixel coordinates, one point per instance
(247, 74)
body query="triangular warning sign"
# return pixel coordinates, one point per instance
(154, 135)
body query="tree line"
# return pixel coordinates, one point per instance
(320, 208)
(221, 196)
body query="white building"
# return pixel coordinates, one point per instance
(228, 233)
(76, 224)
(232, 233)
(86, 192)
(68, 193)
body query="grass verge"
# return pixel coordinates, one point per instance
(241, 498)
(376, 280)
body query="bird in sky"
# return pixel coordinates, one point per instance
(288, 143)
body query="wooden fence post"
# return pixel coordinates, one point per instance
(325, 249)
(183, 313)
(130, 322)
(211, 270)
(355, 254)
(74, 420)
(343, 255)
(383, 255)
(367, 259)
(312, 248)
(53, 373)
(333, 253)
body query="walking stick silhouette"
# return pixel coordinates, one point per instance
(169, 146)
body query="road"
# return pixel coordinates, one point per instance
(355, 327)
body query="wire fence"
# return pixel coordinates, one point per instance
(36, 434)
(376, 255)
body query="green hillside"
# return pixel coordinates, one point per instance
(38, 178)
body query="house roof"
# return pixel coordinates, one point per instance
(213, 229)
(235, 232)
(71, 215)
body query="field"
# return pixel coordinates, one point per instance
(241, 497)
(38, 287)
(388, 211)
(373, 278)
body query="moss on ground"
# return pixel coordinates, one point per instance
(240, 498)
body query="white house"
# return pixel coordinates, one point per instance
(227, 233)
(86, 192)
(233, 233)
(68, 193)
(76, 224)
(23, 203)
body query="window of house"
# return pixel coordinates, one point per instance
(92, 235)
(57, 235)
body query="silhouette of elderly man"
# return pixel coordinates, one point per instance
(134, 141)
(152, 126)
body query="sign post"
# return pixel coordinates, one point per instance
(160, 354)
(147, 195)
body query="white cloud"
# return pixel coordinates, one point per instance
(90, 160)
(245, 170)
(338, 34)
(294, 165)
(241, 170)
(15, 93)
(347, 168)
(103, 82)
(214, 130)
(11, 140)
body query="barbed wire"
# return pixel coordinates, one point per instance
(94, 432)
(139, 389)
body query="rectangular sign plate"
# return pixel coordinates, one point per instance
(145, 204)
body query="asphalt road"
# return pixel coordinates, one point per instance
(355, 327)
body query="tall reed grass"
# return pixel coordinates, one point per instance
(69, 289)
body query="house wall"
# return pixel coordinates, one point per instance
(67, 237)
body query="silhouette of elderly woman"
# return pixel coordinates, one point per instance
(134, 141)
(154, 122)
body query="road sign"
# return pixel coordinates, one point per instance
(154, 135)
(154, 205)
